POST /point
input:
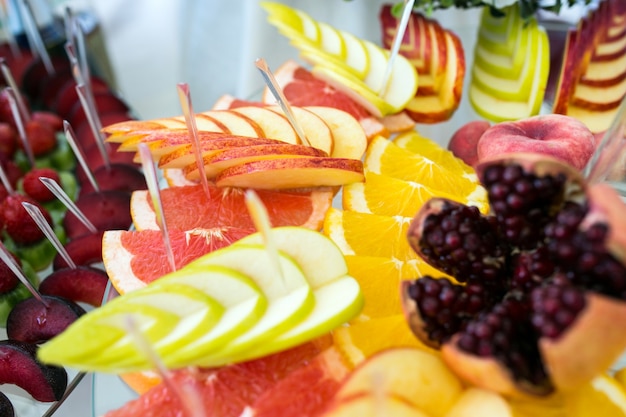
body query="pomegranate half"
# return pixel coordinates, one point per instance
(538, 300)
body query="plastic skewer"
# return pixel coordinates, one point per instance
(70, 388)
(5, 180)
(60, 194)
(261, 220)
(4, 21)
(71, 140)
(191, 401)
(397, 42)
(8, 77)
(43, 225)
(34, 37)
(7, 258)
(185, 102)
(94, 122)
(19, 123)
(155, 194)
(272, 84)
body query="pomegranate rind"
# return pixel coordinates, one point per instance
(607, 205)
(589, 346)
(488, 373)
(413, 316)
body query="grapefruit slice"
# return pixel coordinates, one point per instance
(130, 266)
(227, 391)
(227, 206)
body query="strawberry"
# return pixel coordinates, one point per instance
(18, 223)
(35, 188)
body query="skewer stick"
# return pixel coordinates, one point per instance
(21, 103)
(34, 37)
(7, 258)
(19, 123)
(185, 102)
(261, 220)
(5, 180)
(71, 140)
(60, 194)
(280, 98)
(43, 225)
(397, 42)
(190, 400)
(155, 194)
(94, 122)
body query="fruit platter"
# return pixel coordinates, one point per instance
(310, 252)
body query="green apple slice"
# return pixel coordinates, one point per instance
(336, 303)
(290, 297)
(338, 297)
(496, 109)
(504, 65)
(331, 41)
(319, 257)
(513, 89)
(292, 23)
(356, 55)
(499, 35)
(312, 54)
(100, 340)
(378, 66)
(352, 86)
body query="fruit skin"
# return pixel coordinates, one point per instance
(35, 188)
(464, 142)
(585, 344)
(555, 135)
(21, 367)
(31, 321)
(6, 408)
(41, 137)
(18, 223)
(80, 284)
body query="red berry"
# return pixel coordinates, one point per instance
(41, 137)
(48, 118)
(8, 280)
(35, 188)
(18, 223)
(8, 139)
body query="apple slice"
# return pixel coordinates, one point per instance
(434, 108)
(497, 98)
(499, 84)
(356, 55)
(227, 158)
(331, 40)
(100, 338)
(291, 22)
(338, 297)
(236, 123)
(373, 406)
(420, 378)
(315, 129)
(349, 138)
(292, 173)
(183, 155)
(273, 124)
(290, 297)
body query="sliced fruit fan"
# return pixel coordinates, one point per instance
(487, 278)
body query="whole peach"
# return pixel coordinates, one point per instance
(562, 137)
(464, 141)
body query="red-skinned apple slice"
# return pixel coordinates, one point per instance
(317, 132)
(273, 124)
(184, 154)
(436, 108)
(216, 163)
(292, 173)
